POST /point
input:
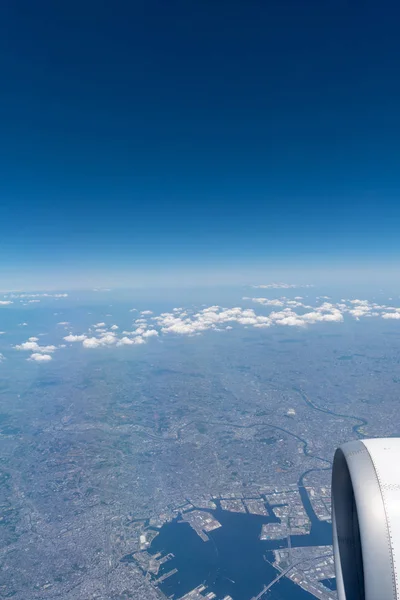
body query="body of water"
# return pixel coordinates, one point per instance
(235, 561)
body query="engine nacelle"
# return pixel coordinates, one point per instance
(366, 519)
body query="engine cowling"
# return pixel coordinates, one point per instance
(366, 519)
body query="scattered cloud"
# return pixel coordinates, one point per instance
(2, 357)
(284, 286)
(265, 301)
(6, 302)
(33, 346)
(40, 357)
(106, 339)
(74, 338)
(125, 341)
(91, 343)
(267, 313)
(43, 295)
(150, 333)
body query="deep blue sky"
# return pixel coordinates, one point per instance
(149, 134)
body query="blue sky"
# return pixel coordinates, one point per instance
(213, 140)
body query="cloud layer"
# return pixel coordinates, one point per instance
(264, 314)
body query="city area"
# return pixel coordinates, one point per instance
(183, 467)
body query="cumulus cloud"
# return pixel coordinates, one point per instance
(33, 346)
(2, 357)
(75, 338)
(33, 301)
(265, 301)
(125, 341)
(6, 302)
(146, 312)
(208, 318)
(150, 333)
(40, 357)
(91, 343)
(106, 339)
(63, 323)
(110, 339)
(279, 312)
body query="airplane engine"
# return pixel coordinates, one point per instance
(366, 519)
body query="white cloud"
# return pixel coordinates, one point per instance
(40, 357)
(91, 343)
(291, 321)
(44, 295)
(34, 347)
(125, 341)
(289, 313)
(285, 286)
(266, 301)
(74, 338)
(146, 312)
(2, 357)
(5, 302)
(63, 323)
(106, 339)
(2, 332)
(316, 316)
(150, 333)
(33, 301)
